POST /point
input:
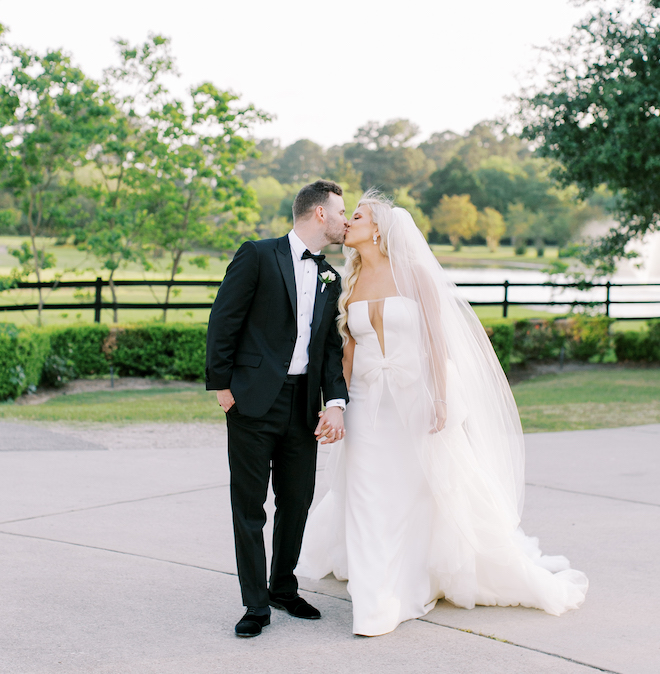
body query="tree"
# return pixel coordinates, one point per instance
(196, 197)
(301, 161)
(384, 157)
(520, 221)
(120, 183)
(405, 200)
(455, 216)
(263, 162)
(491, 224)
(49, 115)
(598, 115)
(454, 178)
(269, 193)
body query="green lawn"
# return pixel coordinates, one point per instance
(589, 399)
(569, 401)
(157, 404)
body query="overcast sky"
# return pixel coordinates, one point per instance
(323, 68)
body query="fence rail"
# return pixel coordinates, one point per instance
(99, 304)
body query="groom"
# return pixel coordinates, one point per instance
(272, 350)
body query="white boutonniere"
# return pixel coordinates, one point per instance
(327, 277)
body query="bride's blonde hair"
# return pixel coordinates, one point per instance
(381, 214)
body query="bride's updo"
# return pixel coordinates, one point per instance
(381, 214)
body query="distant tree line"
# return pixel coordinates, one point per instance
(484, 185)
(129, 172)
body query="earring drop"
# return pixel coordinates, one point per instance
(375, 239)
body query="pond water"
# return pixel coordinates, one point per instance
(536, 296)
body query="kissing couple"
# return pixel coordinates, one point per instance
(392, 368)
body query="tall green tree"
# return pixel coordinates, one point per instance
(491, 225)
(196, 196)
(455, 216)
(120, 182)
(598, 115)
(454, 178)
(385, 157)
(49, 114)
(300, 162)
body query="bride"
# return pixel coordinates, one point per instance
(426, 491)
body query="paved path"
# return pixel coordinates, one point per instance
(116, 557)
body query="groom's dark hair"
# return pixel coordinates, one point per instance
(313, 195)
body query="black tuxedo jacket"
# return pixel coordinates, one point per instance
(252, 332)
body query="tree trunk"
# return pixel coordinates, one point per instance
(35, 253)
(111, 283)
(175, 266)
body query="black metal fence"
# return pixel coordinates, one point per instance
(99, 304)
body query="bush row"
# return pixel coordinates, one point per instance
(580, 338)
(53, 356)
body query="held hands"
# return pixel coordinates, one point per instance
(225, 399)
(440, 407)
(331, 426)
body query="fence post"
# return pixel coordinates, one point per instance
(607, 298)
(98, 300)
(505, 303)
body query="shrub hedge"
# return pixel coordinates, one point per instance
(23, 352)
(52, 356)
(501, 335)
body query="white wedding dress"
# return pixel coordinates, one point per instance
(404, 539)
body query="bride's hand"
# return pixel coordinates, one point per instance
(440, 407)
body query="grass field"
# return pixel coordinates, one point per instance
(169, 404)
(589, 399)
(564, 402)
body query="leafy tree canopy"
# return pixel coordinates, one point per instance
(598, 115)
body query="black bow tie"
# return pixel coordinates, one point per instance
(310, 256)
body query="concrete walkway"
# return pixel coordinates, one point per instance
(116, 556)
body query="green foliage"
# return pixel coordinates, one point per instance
(382, 154)
(57, 371)
(176, 351)
(639, 346)
(302, 161)
(455, 216)
(82, 346)
(404, 199)
(589, 338)
(492, 226)
(537, 340)
(597, 114)
(48, 121)
(501, 335)
(23, 352)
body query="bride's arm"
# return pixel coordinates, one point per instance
(347, 360)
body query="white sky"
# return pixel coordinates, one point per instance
(322, 68)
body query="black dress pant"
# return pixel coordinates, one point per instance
(281, 439)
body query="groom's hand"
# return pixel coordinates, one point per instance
(331, 426)
(225, 399)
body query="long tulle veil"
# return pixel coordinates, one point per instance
(479, 397)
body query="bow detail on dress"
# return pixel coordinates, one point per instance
(401, 369)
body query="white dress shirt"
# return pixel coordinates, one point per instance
(306, 274)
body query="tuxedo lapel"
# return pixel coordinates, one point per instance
(320, 300)
(285, 261)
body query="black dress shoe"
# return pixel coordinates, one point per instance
(250, 625)
(295, 606)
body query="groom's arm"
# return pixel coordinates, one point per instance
(332, 370)
(230, 308)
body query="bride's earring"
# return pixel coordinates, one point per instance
(375, 239)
